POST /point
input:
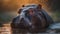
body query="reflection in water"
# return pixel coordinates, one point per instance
(6, 29)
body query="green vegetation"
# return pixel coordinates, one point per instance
(5, 18)
(56, 16)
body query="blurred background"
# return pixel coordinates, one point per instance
(9, 8)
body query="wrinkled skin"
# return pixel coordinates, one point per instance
(38, 20)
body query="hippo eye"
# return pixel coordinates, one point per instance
(26, 12)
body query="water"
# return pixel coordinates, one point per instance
(6, 29)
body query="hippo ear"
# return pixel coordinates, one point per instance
(19, 11)
(39, 6)
(23, 6)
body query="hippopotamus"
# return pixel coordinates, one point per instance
(32, 18)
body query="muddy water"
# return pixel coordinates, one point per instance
(6, 29)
